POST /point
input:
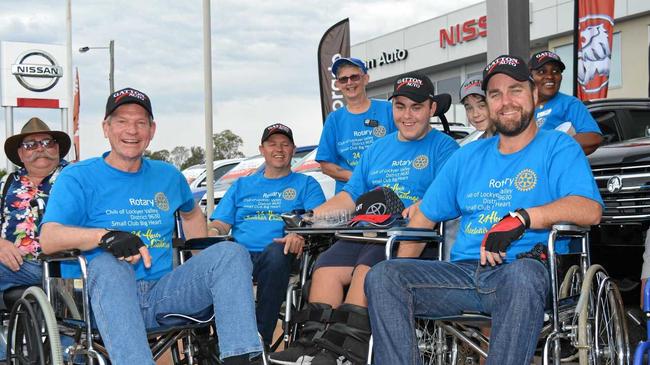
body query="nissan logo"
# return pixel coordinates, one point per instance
(37, 70)
(614, 184)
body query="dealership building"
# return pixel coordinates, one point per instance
(453, 47)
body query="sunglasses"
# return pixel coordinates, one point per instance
(45, 143)
(353, 78)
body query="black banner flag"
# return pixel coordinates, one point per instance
(334, 44)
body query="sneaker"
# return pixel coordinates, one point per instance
(326, 357)
(296, 354)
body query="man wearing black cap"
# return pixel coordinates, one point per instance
(349, 130)
(508, 191)
(39, 153)
(556, 110)
(252, 207)
(120, 210)
(406, 162)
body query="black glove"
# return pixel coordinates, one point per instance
(121, 244)
(502, 234)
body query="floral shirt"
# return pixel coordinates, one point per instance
(23, 209)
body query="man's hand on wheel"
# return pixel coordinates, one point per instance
(497, 240)
(126, 246)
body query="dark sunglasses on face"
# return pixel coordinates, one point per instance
(353, 78)
(45, 143)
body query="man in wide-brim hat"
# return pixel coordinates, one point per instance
(39, 152)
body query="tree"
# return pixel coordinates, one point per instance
(226, 145)
(178, 156)
(162, 155)
(197, 156)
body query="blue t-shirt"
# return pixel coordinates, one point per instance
(564, 108)
(93, 194)
(253, 204)
(345, 135)
(407, 167)
(482, 185)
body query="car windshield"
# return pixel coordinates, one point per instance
(244, 168)
(308, 163)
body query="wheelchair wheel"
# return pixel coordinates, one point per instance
(602, 332)
(571, 283)
(436, 347)
(33, 332)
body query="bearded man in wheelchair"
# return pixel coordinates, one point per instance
(508, 191)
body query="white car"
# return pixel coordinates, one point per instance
(309, 166)
(192, 172)
(221, 167)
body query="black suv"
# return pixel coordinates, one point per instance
(621, 167)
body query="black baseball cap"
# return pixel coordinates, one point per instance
(275, 129)
(539, 59)
(414, 86)
(127, 96)
(512, 66)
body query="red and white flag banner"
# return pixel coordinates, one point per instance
(75, 116)
(595, 30)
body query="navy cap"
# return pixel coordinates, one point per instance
(127, 96)
(414, 86)
(539, 59)
(512, 66)
(277, 128)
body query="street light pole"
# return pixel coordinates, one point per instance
(111, 72)
(111, 65)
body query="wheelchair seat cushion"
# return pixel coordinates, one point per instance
(180, 319)
(11, 296)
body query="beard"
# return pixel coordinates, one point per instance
(516, 128)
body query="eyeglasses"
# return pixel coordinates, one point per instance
(353, 78)
(45, 143)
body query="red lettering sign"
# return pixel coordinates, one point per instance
(465, 32)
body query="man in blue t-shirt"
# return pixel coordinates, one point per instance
(252, 207)
(556, 110)
(406, 162)
(350, 130)
(508, 190)
(119, 209)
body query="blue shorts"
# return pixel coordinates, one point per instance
(351, 254)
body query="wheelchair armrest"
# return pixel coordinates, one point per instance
(60, 256)
(199, 243)
(414, 234)
(569, 229)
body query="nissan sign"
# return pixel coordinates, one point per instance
(37, 70)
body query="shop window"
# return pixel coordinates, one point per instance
(449, 86)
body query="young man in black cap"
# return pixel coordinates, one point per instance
(120, 210)
(406, 162)
(39, 152)
(532, 178)
(252, 207)
(556, 110)
(350, 130)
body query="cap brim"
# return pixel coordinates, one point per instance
(548, 60)
(13, 143)
(141, 103)
(414, 97)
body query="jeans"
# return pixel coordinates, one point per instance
(271, 271)
(514, 294)
(219, 276)
(30, 273)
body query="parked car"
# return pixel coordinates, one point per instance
(458, 130)
(221, 167)
(309, 166)
(246, 167)
(192, 172)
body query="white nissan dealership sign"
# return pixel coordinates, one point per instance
(32, 75)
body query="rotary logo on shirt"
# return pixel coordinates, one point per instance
(421, 162)
(379, 131)
(289, 194)
(526, 180)
(161, 201)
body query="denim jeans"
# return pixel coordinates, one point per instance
(514, 294)
(219, 276)
(30, 273)
(271, 271)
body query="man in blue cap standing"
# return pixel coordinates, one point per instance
(349, 130)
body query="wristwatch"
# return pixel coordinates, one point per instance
(522, 215)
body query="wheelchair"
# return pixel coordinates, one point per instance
(585, 322)
(41, 318)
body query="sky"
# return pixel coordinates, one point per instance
(264, 66)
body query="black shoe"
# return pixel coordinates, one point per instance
(326, 357)
(296, 354)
